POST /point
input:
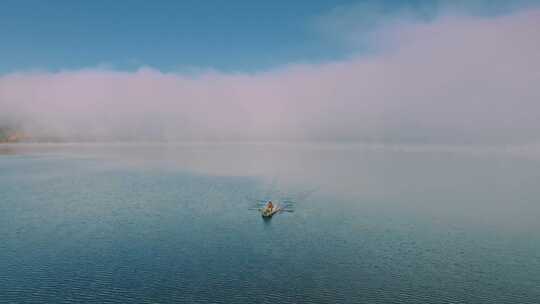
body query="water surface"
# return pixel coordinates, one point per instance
(149, 223)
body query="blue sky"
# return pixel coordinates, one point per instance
(243, 35)
(163, 34)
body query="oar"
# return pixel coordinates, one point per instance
(256, 200)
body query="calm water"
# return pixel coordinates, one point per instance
(172, 224)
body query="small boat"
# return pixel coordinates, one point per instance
(268, 212)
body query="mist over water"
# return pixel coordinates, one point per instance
(487, 181)
(438, 82)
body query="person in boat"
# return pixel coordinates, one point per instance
(270, 206)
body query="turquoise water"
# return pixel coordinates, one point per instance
(173, 224)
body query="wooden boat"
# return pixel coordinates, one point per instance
(267, 212)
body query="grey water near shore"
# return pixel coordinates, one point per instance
(171, 223)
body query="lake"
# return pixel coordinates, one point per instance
(175, 223)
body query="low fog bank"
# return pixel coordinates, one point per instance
(456, 80)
